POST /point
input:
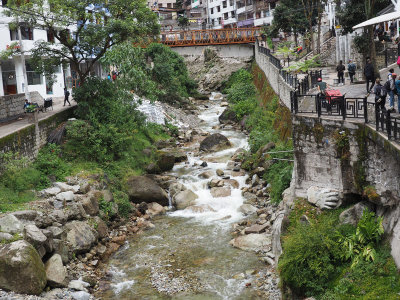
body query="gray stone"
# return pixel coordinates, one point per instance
(58, 216)
(55, 271)
(175, 188)
(78, 285)
(256, 228)
(165, 161)
(324, 198)
(141, 188)
(74, 211)
(206, 174)
(65, 196)
(353, 214)
(255, 180)
(81, 295)
(219, 172)
(247, 209)
(252, 242)
(57, 232)
(66, 187)
(155, 209)
(219, 192)
(5, 236)
(61, 248)
(10, 224)
(215, 142)
(51, 191)
(21, 269)
(34, 236)
(184, 199)
(202, 208)
(80, 236)
(26, 215)
(90, 204)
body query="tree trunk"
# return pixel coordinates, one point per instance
(372, 50)
(319, 28)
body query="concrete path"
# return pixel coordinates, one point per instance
(25, 121)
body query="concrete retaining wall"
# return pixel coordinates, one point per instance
(240, 51)
(12, 106)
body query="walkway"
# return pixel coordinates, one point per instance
(210, 37)
(14, 126)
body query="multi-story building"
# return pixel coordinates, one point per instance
(12, 79)
(221, 13)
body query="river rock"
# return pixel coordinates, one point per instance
(141, 188)
(256, 228)
(353, 214)
(34, 236)
(21, 268)
(65, 196)
(155, 209)
(218, 192)
(215, 183)
(78, 285)
(202, 208)
(55, 271)
(252, 242)
(165, 161)
(247, 209)
(264, 149)
(10, 224)
(219, 172)
(175, 188)
(224, 104)
(81, 295)
(215, 142)
(232, 182)
(153, 168)
(228, 116)
(206, 174)
(66, 187)
(80, 236)
(184, 199)
(101, 227)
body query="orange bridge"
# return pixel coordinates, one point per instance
(210, 37)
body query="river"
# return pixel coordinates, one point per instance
(187, 254)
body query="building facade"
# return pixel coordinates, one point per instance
(12, 79)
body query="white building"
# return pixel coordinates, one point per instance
(222, 13)
(12, 79)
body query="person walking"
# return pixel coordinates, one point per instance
(369, 74)
(390, 88)
(397, 84)
(340, 69)
(351, 67)
(380, 95)
(66, 97)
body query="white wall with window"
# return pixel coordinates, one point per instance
(12, 77)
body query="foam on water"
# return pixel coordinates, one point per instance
(120, 286)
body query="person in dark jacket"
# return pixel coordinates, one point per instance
(369, 74)
(380, 95)
(340, 71)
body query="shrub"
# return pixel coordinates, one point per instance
(124, 205)
(50, 164)
(245, 107)
(241, 91)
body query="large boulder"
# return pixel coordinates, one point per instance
(21, 269)
(55, 271)
(80, 236)
(215, 142)
(218, 192)
(34, 236)
(228, 117)
(247, 209)
(252, 242)
(175, 188)
(10, 224)
(165, 161)
(184, 199)
(90, 202)
(144, 189)
(353, 214)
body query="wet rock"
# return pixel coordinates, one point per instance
(238, 155)
(215, 142)
(175, 188)
(224, 104)
(353, 214)
(65, 196)
(218, 192)
(256, 228)
(250, 197)
(184, 199)
(34, 236)
(228, 116)
(141, 188)
(80, 236)
(202, 208)
(203, 164)
(247, 209)
(215, 183)
(10, 224)
(55, 271)
(21, 268)
(155, 209)
(219, 172)
(255, 180)
(165, 161)
(206, 174)
(232, 182)
(252, 242)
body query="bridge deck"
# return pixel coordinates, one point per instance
(210, 37)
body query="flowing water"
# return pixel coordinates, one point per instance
(187, 255)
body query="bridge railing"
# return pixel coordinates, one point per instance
(210, 37)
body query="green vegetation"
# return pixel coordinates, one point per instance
(327, 260)
(252, 99)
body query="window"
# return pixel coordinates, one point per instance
(226, 16)
(160, 5)
(4, 3)
(230, 2)
(273, 5)
(33, 77)
(26, 33)
(212, 11)
(232, 14)
(218, 8)
(224, 4)
(50, 37)
(169, 5)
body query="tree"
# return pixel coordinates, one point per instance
(84, 31)
(309, 10)
(289, 17)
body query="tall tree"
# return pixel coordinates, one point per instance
(84, 29)
(309, 10)
(289, 17)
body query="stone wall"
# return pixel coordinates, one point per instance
(281, 88)
(26, 142)
(12, 106)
